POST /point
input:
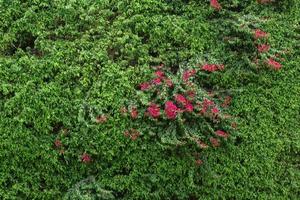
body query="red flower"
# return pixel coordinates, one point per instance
(101, 119)
(57, 143)
(215, 4)
(169, 82)
(206, 103)
(156, 81)
(181, 99)
(187, 74)
(215, 110)
(275, 65)
(170, 110)
(221, 134)
(198, 162)
(214, 141)
(154, 110)
(260, 34)
(212, 67)
(144, 86)
(86, 158)
(159, 74)
(263, 48)
(189, 107)
(134, 113)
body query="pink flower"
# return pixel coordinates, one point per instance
(181, 99)
(215, 4)
(159, 74)
(154, 110)
(189, 107)
(263, 48)
(214, 141)
(144, 86)
(187, 74)
(57, 143)
(215, 110)
(206, 103)
(275, 65)
(134, 113)
(86, 158)
(212, 67)
(156, 81)
(260, 34)
(221, 134)
(170, 110)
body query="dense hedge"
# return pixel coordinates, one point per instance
(62, 63)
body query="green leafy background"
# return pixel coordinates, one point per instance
(63, 62)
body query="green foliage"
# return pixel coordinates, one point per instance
(64, 63)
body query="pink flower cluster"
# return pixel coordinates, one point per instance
(263, 48)
(215, 4)
(212, 67)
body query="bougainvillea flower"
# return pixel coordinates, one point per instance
(170, 110)
(189, 107)
(145, 86)
(260, 34)
(154, 110)
(275, 65)
(214, 141)
(57, 143)
(215, 110)
(188, 74)
(86, 158)
(263, 48)
(215, 4)
(156, 81)
(212, 67)
(181, 99)
(159, 74)
(134, 113)
(221, 134)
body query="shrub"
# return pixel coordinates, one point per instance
(174, 107)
